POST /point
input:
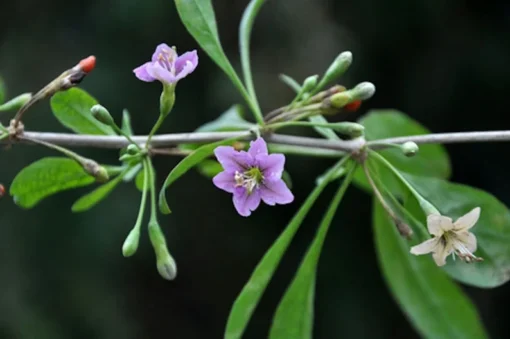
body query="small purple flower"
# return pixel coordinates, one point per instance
(166, 66)
(252, 176)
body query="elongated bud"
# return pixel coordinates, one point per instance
(363, 91)
(166, 265)
(130, 245)
(88, 64)
(102, 115)
(310, 83)
(337, 68)
(351, 129)
(16, 103)
(2, 190)
(341, 99)
(96, 170)
(409, 148)
(167, 99)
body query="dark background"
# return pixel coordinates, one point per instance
(62, 275)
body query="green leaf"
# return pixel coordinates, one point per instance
(46, 177)
(132, 172)
(230, 120)
(328, 133)
(431, 160)
(126, 123)
(245, 29)
(291, 82)
(91, 199)
(294, 315)
(72, 109)
(492, 229)
(435, 305)
(140, 180)
(185, 165)
(248, 299)
(200, 21)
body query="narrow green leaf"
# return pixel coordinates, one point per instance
(433, 303)
(328, 133)
(231, 120)
(72, 109)
(185, 165)
(291, 82)
(91, 199)
(431, 160)
(46, 177)
(132, 172)
(248, 299)
(245, 29)
(126, 123)
(199, 19)
(294, 315)
(492, 229)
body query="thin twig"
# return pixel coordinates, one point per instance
(445, 138)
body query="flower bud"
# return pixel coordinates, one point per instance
(16, 103)
(132, 149)
(409, 148)
(96, 170)
(166, 265)
(167, 99)
(337, 68)
(351, 129)
(310, 83)
(341, 99)
(363, 91)
(131, 243)
(102, 115)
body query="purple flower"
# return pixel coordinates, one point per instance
(252, 176)
(166, 66)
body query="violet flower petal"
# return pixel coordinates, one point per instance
(225, 181)
(162, 74)
(271, 166)
(232, 160)
(244, 203)
(258, 147)
(276, 192)
(183, 62)
(163, 49)
(142, 74)
(188, 68)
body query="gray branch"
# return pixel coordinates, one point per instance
(447, 138)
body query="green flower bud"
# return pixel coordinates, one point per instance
(363, 91)
(16, 103)
(167, 99)
(351, 129)
(132, 149)
(166, 265)
(131, 243)
(341, 99)
(310, 83)
(337, 68)
(96, 170)
(102, 115)
(409, 148)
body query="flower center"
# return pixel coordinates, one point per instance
(166, 59)
(459, 247)
(249, 179)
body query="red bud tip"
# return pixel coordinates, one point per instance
(88, 64)
(2, 190)
(353, 106)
